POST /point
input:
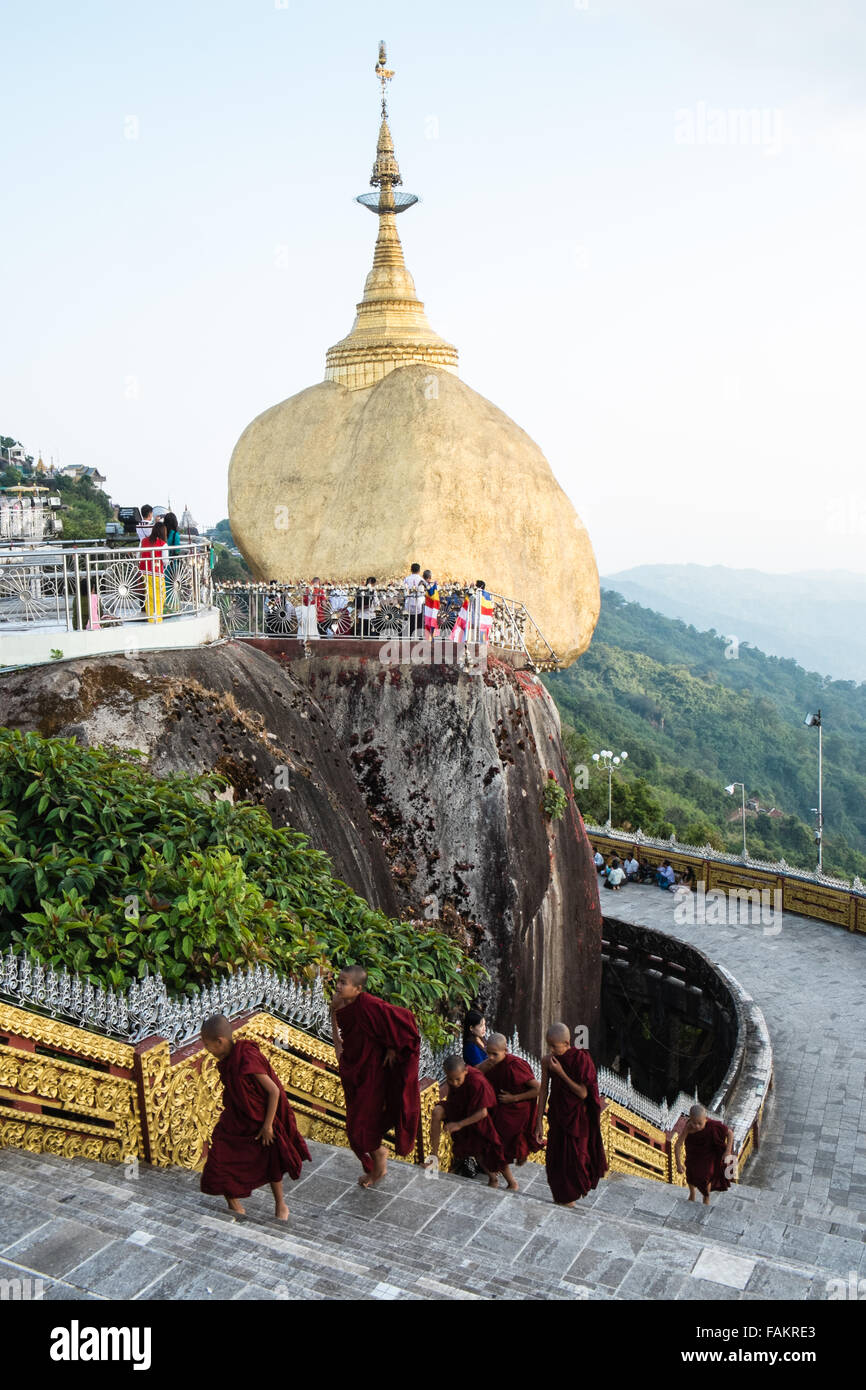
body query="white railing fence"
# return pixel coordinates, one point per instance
(91, 586)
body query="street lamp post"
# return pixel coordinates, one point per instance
(730, 790)
(813, 721)
(609, 761)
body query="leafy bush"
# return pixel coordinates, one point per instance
(109, 871)
(553, 799)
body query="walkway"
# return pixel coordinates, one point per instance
(809, 978)
(87, 1231)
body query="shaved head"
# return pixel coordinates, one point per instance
(357, 974)
(698, 1112)
(217, 1026)
(559, 1033)
(497, 1041)
(454, 1064)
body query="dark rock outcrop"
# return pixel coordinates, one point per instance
(423, 784)
(452, 767)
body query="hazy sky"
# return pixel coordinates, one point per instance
(642, 224)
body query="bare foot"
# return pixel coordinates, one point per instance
(493, 1181)
(282, 1212)
(512, 1186)
(691, 1196)
(706, 1201)
(380, 1170)
(235, 1206)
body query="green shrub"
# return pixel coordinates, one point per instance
(553, 799)
(109, 871)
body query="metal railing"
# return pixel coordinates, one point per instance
(72, 587)
(823, 896)
(311, 613)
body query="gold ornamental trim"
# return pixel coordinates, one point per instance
(66, 1037)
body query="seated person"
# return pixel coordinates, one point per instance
(632, 868)
(598, 861)
(688, 877)
(615, 875)
(665, 876)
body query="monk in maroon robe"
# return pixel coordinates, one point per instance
(575, 1159)
(709, 1145)
(377, 1046)
(516, 1091)
(465, 1112)
(256, 1138)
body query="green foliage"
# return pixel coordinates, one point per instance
(89, 508)
(230, 567)
(106, 870)
(693, 720)
(553, 799)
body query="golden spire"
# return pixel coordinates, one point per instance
(391, 328)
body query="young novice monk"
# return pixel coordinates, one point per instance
(377, 1046)
(708, 1145)
(575, 1158)
(465, 1112)
(256, 1139)
(516, 1091)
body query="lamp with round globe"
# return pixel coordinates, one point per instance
(609, 760)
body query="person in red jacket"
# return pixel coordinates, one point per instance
(377, 1046)
(152, 565)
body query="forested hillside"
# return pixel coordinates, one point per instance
(695, 715)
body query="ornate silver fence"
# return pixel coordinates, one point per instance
(309, 613)
(69, 587)
(146, 1009)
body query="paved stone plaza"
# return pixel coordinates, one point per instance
(89, 1232)
(794, 1225)
(809, 980)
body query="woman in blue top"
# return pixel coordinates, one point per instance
(172, 568)
(474, 1033)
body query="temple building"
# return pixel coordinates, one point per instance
(393, 459)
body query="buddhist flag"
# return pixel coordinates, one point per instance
(431, 607)
(461, 623)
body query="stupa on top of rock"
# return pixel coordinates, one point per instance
(393, 459)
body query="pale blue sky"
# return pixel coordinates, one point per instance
(677, 321)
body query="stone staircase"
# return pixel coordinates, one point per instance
(90, 1230)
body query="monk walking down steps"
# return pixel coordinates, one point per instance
(709, 1145)
(516, 1091)
(575, 1158)
(377, 1046)
(256, 1139)
(466, 1114)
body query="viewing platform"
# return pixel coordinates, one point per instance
(65, 599)
(384, 623)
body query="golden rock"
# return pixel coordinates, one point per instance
(393, 459)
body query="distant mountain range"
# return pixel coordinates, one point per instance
(693, 719)
(818, 617)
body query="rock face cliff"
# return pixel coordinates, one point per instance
(423, 784)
